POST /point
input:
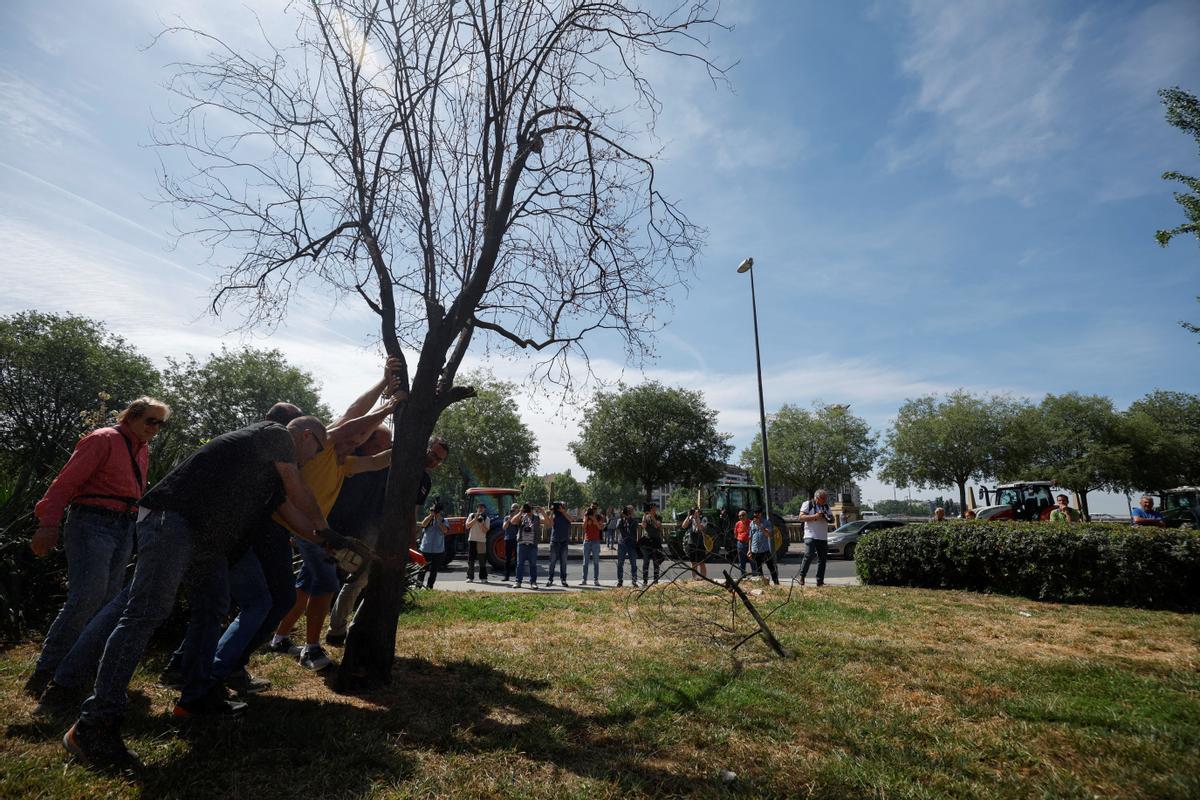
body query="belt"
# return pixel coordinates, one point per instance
(104, 512)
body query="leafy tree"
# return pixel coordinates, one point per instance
(651, 435)
(680, 500)
(227, 391)
(1183, 112)
(490, 445)
(827, 446)
(1082, 444)
(609, 494)
(462, 168)
(566, 489)
(534, 490)
(1163, 431)
(941, 443)
(53, 371)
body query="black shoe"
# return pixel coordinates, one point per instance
(213, 705)
(171, 678)
(59, 702)
(37, 683)
(245, 684)
(335, 639)
(285, 645)
(98, 744)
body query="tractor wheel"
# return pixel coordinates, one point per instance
(495, 549)
(779, 536)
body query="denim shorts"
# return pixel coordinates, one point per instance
(318, 572)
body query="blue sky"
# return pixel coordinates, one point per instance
(936, 195)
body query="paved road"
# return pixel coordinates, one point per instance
(837, 572)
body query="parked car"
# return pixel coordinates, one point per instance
(844, 540)
(872, 515)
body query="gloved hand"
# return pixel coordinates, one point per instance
(332, 539)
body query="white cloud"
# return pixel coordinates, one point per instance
(33, 115)
(993, 79)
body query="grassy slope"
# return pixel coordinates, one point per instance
(891, 693)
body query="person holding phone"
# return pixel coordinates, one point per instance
(816, 516)
(433, 541)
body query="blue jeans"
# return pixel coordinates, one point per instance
(164, 552)
(318, 573)
(208, 606)
(743, 555)
(98, 549)
(527, 554)
(248, 588)
(274, 550)
(558, 555)
(820, 549)
(591, 552)
(626, 552)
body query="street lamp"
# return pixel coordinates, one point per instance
(746, 266)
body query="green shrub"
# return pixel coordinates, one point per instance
(1103, 563)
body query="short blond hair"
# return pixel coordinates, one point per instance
(138, 408)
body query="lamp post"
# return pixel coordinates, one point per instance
(747, 266)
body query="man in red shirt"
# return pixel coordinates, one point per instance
(741, 533)
(100, 484)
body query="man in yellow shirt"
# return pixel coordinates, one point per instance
(317, 582)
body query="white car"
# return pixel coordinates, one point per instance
(872, 515)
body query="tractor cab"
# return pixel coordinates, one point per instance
(1023, 500)
(1181, 507)
(720, 506)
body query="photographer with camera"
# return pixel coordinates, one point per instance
(478, 524)
(529, 529)
(816, 516)
(651, 543)
(693, 527)
(433, 540)
(627, 546)
(560, 539)
(593, 524)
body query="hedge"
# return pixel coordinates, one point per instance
(1103, 563)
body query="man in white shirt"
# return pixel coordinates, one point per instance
(816, 517)
(478, 525)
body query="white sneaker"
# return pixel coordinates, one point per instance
(314, 658)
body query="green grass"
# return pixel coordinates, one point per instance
(889, 693)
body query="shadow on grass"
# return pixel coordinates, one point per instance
(468, 707)
(325, 746)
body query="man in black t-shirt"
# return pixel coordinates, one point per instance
(190, 519)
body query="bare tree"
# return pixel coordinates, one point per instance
(470, 170)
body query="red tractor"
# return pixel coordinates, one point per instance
(1024, 500)
(498, 502)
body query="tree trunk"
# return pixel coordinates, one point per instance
(962, 495)
(649, 493)
(371, 640)
(1083, 505)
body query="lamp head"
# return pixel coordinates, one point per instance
(745, 265)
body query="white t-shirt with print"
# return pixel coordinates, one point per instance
(818, 529)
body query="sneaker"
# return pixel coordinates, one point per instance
(518, 584)
(314, 658)
(59, 701)
(801, 580)
(37, 683)
(533, 586)
(335, 639)
(245, 684)
(285, 645)
(171, 678)
(470, 580)
(214, 705)
(595, 583)
(484, 579)
(620, 584)
(99, 745)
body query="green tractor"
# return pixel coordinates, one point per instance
(720, 505)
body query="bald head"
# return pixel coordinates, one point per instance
(309, 436)
(283, 413)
